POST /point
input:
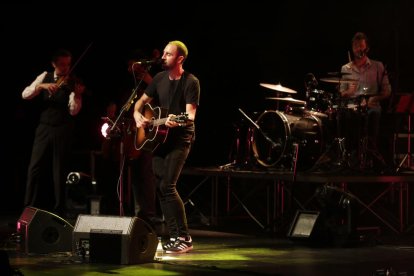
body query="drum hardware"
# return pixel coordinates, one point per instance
(240, 152)
(335, 156)
(367, 155)
(360, 156)
(310, 81)
(318, 100)
(405, 105)
(295, 110)
(295, 159)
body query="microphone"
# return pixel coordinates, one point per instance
(149, 61)
(310, 81)
(361, 53)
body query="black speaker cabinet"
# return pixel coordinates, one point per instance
(115, 240)
(43, 232)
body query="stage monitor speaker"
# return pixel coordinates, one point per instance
(43, 232)
(115, 240)
(303, 224)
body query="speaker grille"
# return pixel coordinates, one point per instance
(44, 232)
(111, 239)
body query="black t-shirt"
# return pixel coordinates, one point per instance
(173, 95)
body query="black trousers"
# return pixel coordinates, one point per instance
(167, 169)
(50, 153)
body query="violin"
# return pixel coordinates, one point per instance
(71, 79)
(68, 80)
(71, 83)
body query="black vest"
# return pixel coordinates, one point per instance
(55, 110)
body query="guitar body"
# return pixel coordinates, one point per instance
(129, 139)
(149, 138)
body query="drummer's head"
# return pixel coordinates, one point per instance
(360, 45)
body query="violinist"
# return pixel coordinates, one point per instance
(61, 98)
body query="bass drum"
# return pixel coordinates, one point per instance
(286, 130)
(275, 125)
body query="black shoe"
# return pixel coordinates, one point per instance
(181, 245)
(169, 244)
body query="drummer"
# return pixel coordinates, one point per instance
(370, 87)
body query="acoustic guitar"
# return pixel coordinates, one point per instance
(155, 133)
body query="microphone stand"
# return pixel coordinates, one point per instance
(125, 109)
(273, 143)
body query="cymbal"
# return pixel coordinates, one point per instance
(338, 80)
(317, 114)
(287, 99)
(338, 74)
(278, 87)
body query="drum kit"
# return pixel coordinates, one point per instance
(298, 135)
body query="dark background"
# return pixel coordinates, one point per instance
(232, 49)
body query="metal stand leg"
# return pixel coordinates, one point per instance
(203, 219)
(295, 159)
(121, 179)
(340, 158)
(407, 157)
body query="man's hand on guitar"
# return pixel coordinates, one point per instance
(140, 120)
(171, 122)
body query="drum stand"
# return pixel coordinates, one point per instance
(339, 159)
(335, 155)
(366, 155)
(240, 152)
(407, 156)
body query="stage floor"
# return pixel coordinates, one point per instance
(231, 253)
(239, 221)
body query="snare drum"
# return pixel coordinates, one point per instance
(348, 103)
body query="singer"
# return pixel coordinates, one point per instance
(366, 84)
(178, 91)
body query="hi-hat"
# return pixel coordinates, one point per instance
(287, 99)
(278, 87)
(338, 80)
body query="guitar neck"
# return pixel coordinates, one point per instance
(158, 122)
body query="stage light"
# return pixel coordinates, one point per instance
(76, 177)
(104, 130)
(303, 224)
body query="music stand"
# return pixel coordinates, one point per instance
(406, 106)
